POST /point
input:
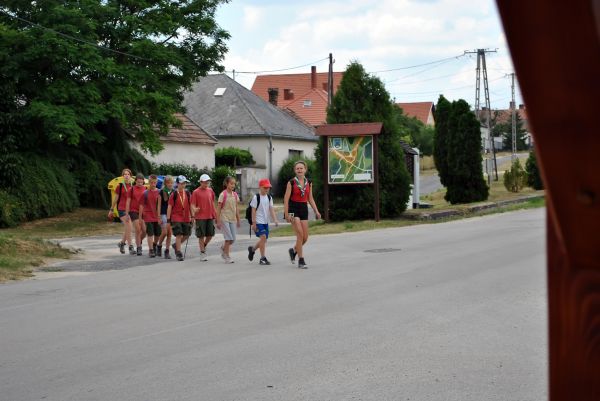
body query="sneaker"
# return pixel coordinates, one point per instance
(264, 261)
(179, 256)
(132, 251)
(122, 247)
(159, 250)
(292, 254)
(251, 253)
(139, 251)
(152, 253)
(203, 256)
(167, 255)
(228, 260)
(301, 264)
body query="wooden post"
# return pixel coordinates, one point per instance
(376, 175)
(325, 168)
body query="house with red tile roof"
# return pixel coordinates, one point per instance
(422, 111)
(188, 144)
(303, 94)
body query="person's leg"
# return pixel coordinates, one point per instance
(127, 230)
(261, 244)
(298, 229)
(151, 245)
(304, 231)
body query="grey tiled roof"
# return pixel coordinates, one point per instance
(239, 112)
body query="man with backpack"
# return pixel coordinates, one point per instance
(179, 215)
(259, 213)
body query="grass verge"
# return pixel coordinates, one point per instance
(26, 248)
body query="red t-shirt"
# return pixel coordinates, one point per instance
(150, 202)
(125, 191)
(136, 198)
(297, 193)
(204, 200)
(180, 207)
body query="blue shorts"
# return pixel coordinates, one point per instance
(121, 213)
(262, 229)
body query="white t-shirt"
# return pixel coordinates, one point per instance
(262, 213)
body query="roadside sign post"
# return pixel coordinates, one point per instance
(350, 157)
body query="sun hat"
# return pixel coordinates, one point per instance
(182, 178)
(264, 183)
(204, 177)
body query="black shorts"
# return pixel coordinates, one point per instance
(181, 228)
(299, 209)
(134, 216)
(153, 229)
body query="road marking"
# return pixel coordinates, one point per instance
(157, 333)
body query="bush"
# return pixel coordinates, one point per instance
(286, 173)
(515, 178)
(218, 175)
(193, 173)
(534, 178)
(12, 211)
(233, 157)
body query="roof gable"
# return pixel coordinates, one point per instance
(311, 107)
(422, 111)
(239, 112)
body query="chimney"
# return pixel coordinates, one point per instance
(521, 107)
(273, 94)
(511, 105)
(313, 77)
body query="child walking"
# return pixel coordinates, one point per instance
(122, 192)
(133, 209)
(262, 210)
(165, 194)
(203, 209)
(150, 214)
(228, 217)
(298, 194)
(179, 215)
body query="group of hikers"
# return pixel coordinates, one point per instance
(159, 214)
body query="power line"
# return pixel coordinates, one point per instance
(74, 38)
(419, 65)
(279, 69)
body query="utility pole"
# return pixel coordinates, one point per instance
(234, 74)
(481, 68)
(514, 118)
(330, 81)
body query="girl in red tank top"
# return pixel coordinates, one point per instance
(298, 194)
(122, 193)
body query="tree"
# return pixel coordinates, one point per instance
(75, 70)
(503, 129)
(515, 178)
(440, 138)
(414, 132)
(363, 98)
(465, 181)
(231, 156)
(534, 178)
(79, 79)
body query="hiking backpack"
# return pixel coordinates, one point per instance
(249, 208)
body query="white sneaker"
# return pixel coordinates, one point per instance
(203, 256)
(228, 260)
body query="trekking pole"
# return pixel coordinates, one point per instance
(185, 250)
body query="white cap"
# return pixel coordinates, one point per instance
(182, 178)
(204, 177)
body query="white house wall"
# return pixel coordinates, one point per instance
(187, 153)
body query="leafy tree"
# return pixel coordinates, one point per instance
(233, 157)
(504, 129)
(286, 173)
(440, 138)
(79, 79)
(414, 132)
(363, 98)
(534, 178)
(464, 179)
(515, 178)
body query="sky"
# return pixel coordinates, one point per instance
(380, 34)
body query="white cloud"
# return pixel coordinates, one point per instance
(253, 17)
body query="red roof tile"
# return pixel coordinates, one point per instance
(311, 107)
(353, 129)
(298, 84)
(420, 110)
(188, 133)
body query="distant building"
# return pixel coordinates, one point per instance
(422, 111)
(237, 117)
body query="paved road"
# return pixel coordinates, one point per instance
(452, 311)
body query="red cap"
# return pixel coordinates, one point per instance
(264, 183)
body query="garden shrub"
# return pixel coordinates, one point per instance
(233, 157)
(515, 178)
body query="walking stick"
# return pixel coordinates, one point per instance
(188, 240)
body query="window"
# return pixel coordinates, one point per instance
(307, 103)
(288, 94)
(220, 91)
(295, 153)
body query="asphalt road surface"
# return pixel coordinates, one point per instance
(452, 311)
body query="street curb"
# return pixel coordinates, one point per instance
(421, 214)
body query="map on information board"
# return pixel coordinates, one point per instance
(350, 159)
